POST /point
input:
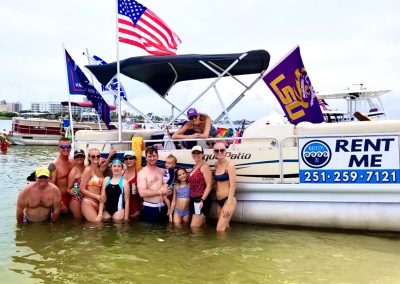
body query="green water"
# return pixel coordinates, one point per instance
(74, 252)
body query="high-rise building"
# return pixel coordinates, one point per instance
(10, 107)
(53, 107)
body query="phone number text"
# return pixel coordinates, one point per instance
(350, 176)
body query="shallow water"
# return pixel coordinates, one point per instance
(74, 252)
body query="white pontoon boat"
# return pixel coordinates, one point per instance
(336, 175)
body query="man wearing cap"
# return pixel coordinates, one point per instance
(151, 189)
(39, 201)
(60, 176)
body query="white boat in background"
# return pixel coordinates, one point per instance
(333, 175)
(45, 129)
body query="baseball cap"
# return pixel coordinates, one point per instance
(129, 153)
(79, 152)
(192, 112)
(42, 171)
(197, 148)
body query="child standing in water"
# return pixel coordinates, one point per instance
(168, 178)
(181, 199)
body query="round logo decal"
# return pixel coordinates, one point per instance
(316, 154)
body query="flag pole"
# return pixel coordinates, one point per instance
(91, 77)
(118, 77)
(69, 98)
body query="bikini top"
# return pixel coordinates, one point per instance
(222, 177)
(95, 181)
(183, 192)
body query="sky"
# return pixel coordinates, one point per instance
(341, 42)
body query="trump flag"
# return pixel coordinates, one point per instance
(290, 84)
(79, 84)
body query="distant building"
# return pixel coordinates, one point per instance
(53, 107)
(10, 107)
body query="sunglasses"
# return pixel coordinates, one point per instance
(197, 152)
(193, 117)
(129, 158)
(64, 147)
(219, 150)
(95, 156)
(43, 177)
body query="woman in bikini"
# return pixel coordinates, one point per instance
(92, 179)
(200, 182)
(198, 126)
(130, 174)
(225, 177)
(117, 192)
(180, 201)
(74, 178)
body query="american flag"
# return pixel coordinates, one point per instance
(139, 26)
(323, 104)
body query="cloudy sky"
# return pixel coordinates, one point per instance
(342, 43)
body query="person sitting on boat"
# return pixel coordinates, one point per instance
(181, 198)
(116, 190)
(198, 126)
(151, 188)
(39, 201)
(63, 165)
(74, 181)
(200, 182)
(225, 177)
(130, 174)
(91, 182)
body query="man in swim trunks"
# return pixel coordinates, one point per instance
(151, 189)
(60, 175)
(38, 200)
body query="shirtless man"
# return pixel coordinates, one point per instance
(63, 166)
(151, 189)
(36, 200)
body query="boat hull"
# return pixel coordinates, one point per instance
(271, 189)
(34, 140)
(361, 207)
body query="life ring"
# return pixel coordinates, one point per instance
(137, 148)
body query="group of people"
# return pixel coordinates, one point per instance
(152, 194)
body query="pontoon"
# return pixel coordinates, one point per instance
(334, 175)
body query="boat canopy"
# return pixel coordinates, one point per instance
(161, 72)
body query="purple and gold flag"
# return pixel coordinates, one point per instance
(289, 82)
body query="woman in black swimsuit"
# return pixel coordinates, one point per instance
(225, 176)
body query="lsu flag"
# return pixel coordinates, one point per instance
(289, 82)
(79, 84)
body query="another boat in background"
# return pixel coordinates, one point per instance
(46, 129)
